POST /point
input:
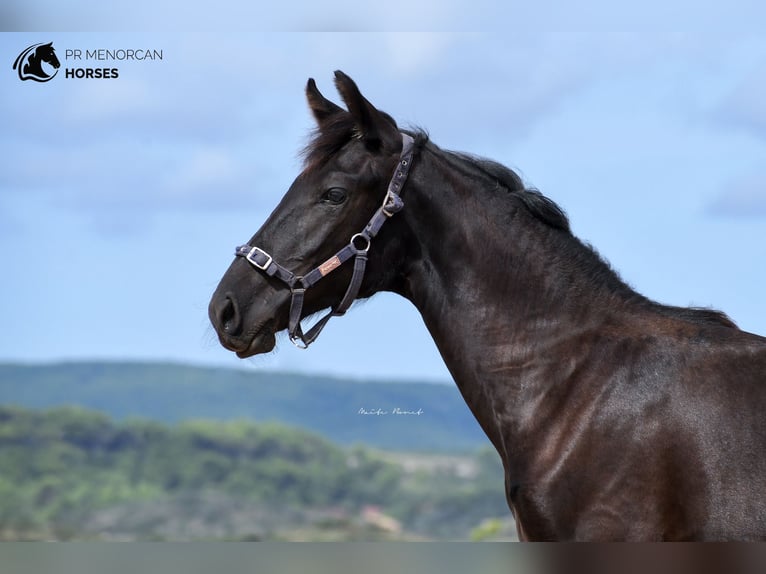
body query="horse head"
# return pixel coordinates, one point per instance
(47, 54)
(348, 166)
(29, 62)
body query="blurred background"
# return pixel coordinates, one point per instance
(121, 200)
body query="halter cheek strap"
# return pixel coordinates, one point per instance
(357, 247)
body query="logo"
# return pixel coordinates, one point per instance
(39, 62)
(30, 62)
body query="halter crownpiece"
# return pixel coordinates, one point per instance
(357, 247)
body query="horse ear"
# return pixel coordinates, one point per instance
(322, 108)
(375, 127)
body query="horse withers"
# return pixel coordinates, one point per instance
(616, 418)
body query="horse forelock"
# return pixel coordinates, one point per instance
(335, 133)
(326, 141)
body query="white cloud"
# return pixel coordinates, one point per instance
(223, 113)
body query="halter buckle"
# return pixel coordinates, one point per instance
(251, 258)
(392, 204)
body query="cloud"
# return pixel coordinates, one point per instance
(745, 106)
(112, 174)
(184, 134)
(220, 116)
(217, 124)
(744, 197)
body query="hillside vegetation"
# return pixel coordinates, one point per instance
(71, 473)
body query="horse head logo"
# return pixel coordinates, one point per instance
(30, 63)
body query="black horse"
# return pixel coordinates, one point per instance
(616, 418)
(29, 62)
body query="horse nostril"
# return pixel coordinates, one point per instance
(228, 315)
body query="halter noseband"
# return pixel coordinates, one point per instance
(357, 247)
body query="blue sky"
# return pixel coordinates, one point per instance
(121, 200)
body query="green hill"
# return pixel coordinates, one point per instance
(332, 407)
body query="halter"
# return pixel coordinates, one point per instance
(357, 247)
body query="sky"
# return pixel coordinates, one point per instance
(121, 200)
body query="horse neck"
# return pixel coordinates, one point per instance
(498, 288)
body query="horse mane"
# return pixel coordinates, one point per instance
(542, 207)
(547, 211)
(700, 315)
(338, 130)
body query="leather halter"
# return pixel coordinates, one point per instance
(357, 247)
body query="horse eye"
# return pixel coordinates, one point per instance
(334, 195)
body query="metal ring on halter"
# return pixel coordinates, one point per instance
(360, 236)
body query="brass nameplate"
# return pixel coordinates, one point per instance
(329, 265)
